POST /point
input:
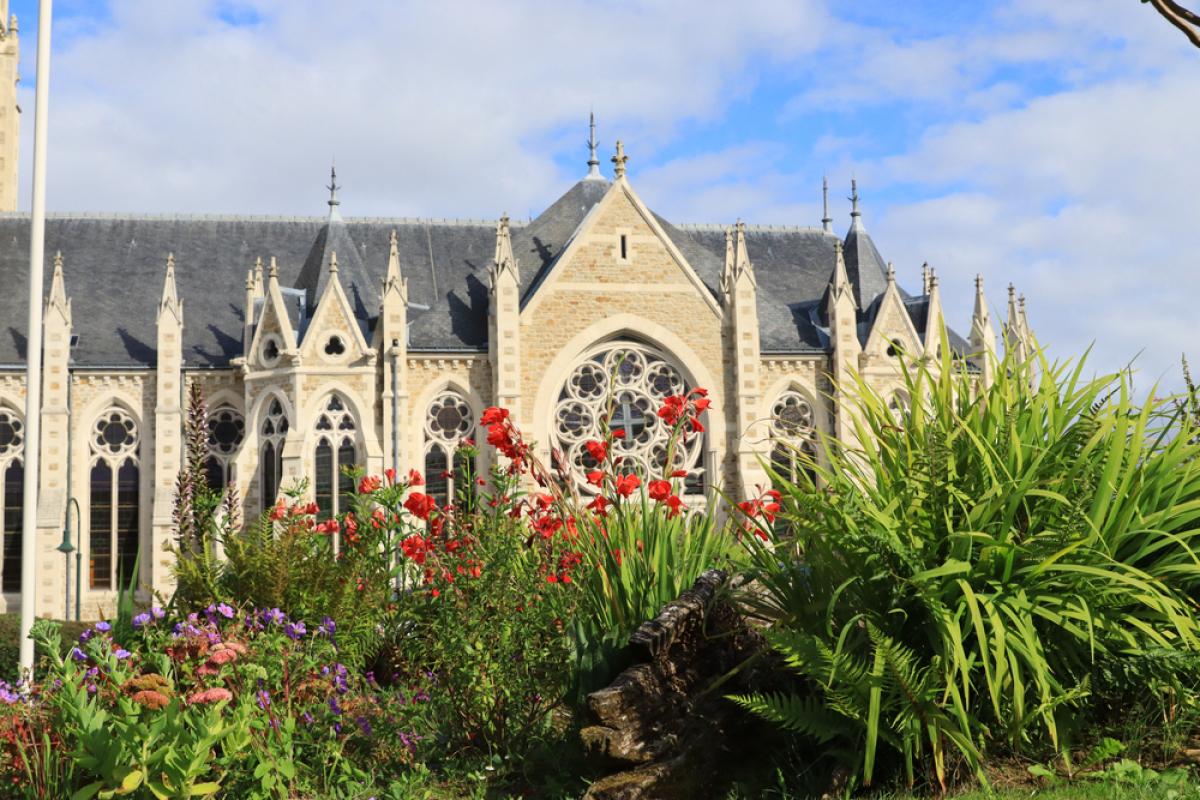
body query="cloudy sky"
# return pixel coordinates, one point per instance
(1046, 143)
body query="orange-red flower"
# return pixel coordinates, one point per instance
(627, 484)
(597, 450)
(420, 505)
(368, 485)
(415, 479)
(660, 490)
(493, 416)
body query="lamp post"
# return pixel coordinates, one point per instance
(66, 548)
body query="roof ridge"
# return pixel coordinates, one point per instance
(714, 226)
(447, 221)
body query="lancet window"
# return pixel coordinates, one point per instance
(335, 452)
(12, 490)
(226, 429)
(794, 433)
(274, 432)
(448, 421)
(630, 381)
(114, 507)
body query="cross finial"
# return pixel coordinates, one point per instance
(593, 162)
(333, 187)
(619, 160)
(826, 221)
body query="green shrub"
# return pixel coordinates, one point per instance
(962, 569)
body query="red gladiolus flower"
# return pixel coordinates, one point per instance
(701, 392)
(312, 509)
(328, 527)
(596, 478)
(702, 405)
(368, 485)
(378, 519)
(599, 505)
(493, 416)
(597, 450)
(749, 508)
(627, 484)
(415, 479)
(679, 473)
(660, 490)
(420, 505)
(695, 424)
(618, 434)
(675, 504)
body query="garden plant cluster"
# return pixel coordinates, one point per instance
(999, 573)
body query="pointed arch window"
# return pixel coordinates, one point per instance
(12, 495)
(226, 429)
(273, 433)
(794, 429)
(114, 507)
(448, 420)
(336, 450)
(636, 379)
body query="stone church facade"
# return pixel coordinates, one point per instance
(326, 341)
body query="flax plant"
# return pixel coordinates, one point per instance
(965, 564)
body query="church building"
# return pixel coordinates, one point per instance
(321, 342)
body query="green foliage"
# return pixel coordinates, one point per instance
(1007, 538)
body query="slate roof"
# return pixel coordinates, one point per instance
(114, 266)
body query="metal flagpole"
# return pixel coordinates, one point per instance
(33, 352)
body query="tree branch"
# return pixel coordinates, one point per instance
(1179, 17)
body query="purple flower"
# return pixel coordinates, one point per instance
(328, 627)
(91, 688)
(123, 654)
(264, 699)
(294, 630)
(140, 620)
(226, 611)
(103, 627)
(333, 706)
(308, 719)
(78, 654)
(157, 613)
(274, 616)
(366, 726)
(83, 637)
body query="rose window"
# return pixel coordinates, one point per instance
(624, 382)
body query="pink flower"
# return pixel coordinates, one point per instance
(211, 696)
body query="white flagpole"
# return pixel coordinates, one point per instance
(33, 351)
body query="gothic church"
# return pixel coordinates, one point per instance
(326, 341)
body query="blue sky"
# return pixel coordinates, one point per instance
(1047, 143)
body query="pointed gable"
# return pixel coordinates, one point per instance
(334, 317)
(274, 324)
(621, 243)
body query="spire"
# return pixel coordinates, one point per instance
(925, 278)
(333, 264)
(273, 272)
(983, 337)
(170, 299)
(393, 281)
(839, 282)
(727, 272)
(854, 212)
(619, 160)
(826, 221)
(1025, 332)
(737, 260)
(333, 198)
(58, 290)
(504, 261)
(981, 315)
(742, 262)
(593, 162)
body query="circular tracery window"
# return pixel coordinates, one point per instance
(794, 455)
(115, 433)
(632, 380)
(12, 433)
(449, 418)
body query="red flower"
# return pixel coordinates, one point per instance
(277, 512)
(391, 476)
(378, 519)
(599, 505)
(596, 478)
(312, 509)
(597, 450)
(679, 473)
(696, 426)
(420, 505)
(415, 479)
(702, 405)
(368, 485)
(543, 501)
(627, 484)
(493, 416)
(701, 392)
(618, 434)
(675, 504)
(660, 490)
(328, 527)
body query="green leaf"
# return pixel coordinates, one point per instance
(88, 792)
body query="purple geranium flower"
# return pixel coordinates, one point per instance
(226, 611)
(140, 620)
(78, 654)
(294, 630)
(103, 627)
(157, 613)
(121, 654)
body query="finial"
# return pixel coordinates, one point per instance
(838, 246)
(333, 187)
(58, 262)
(978, 282)
(619, 159)
(249, 280)
(1011, 292)
(826, 221)
(925, 278)
(12, 24)
(504, 221)
(854, 212)
(394, 241)
(170, 261)
(891, 274)
(593, 162)
(932, 279)
(1021, 300)
(333, 263)
(273, 270)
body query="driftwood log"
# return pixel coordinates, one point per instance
(666, 736)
